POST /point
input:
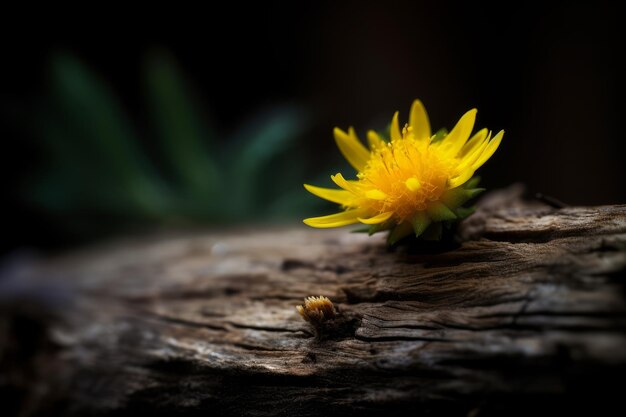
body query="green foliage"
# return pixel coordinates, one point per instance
(99, 167)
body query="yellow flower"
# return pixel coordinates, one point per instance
(411, 184)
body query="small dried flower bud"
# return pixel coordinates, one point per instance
(317, 310)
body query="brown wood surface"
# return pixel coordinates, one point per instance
(526, 316)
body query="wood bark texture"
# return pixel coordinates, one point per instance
(526, 314)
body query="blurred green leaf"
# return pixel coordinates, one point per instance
(91, 114)
(261, 140)
(98, 174)
(184, 137)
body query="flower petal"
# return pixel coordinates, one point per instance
(343, 183)
(468, 160)
(375, 195)
(351, 148)
(395, 127)
(489, 150)
(474, 142)
(377, 219)
(336, 196)
(335, 220)
(459, 135)
(374, 140)
(479, 156)
(471, 163)
(418, 119)
(462, 178)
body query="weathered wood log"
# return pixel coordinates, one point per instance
(526, 314)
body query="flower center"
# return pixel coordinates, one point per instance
(404, 176)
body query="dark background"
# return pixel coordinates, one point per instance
(551, 76)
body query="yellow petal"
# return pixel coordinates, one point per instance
(343, 183)
(375, 195)
(479, 156)
(474, 142)
(395, 127)
(351, 148)
(468, 160)
(488, 152)
(462, 178)
(471, 163)
(413, 184)
(335, 220)
(377, 219)
(418, 119)
(336, 196)
(374, 140)
(458, 136)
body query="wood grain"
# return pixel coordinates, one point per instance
(526, 315)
